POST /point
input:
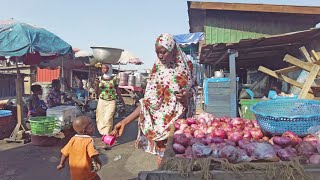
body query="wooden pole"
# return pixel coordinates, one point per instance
(233, 82)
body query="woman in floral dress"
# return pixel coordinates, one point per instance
(170, 94)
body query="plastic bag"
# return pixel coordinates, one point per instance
(201, 150)
(314, 130)
(261, 151)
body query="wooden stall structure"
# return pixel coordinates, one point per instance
(312, 66)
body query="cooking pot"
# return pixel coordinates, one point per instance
(219, 74)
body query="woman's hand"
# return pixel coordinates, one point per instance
(118, 129)
(183, 97)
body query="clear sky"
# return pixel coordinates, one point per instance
(128, 24)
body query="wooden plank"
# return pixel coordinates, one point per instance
(282, 77)
(307, 85)
(297, 62)
(305, 53)
(287, 70)
(255, 7)
(315, 57)
(294, 61)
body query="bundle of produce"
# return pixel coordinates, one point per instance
(206, 136)
(238, 140)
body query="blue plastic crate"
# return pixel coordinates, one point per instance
(296, 115)
(212, 80)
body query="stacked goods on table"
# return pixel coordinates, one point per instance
(64, 114)
(239, 140)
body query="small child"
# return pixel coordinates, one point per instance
(83, 158)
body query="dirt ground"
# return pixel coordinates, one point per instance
(28, 162)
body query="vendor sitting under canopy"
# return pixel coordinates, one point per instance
(38, 108)
(54, 97)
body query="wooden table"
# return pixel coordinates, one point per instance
(132, 91)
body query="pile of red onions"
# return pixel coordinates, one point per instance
(206, 135)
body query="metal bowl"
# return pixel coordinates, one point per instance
(106, 55)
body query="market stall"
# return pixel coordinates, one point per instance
(31, 45)
(283, 143)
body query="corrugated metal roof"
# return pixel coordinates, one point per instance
(47, 75)
(254, 7)
(277, 45)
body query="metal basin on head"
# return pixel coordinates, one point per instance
(106, 55)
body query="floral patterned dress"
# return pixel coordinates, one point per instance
(160, 108)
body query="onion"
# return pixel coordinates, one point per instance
(178, 132)
(255, 123)
(198, 133)
(276, 148)
(188, 153)
(237, 122)
(287, 154)
(256, 133)
(188, 135)
(314, 159)
(179, 156)
(183, 126)
(235, 136)
(181, 139)
(247, 135)
(216, 124)
(219, 133)
(217, 140)
(229, 142)
(194, 126)
(312, 139)
(178, 148)
(187, 130)
(265, 138)
(294, 138)
(209, 123)
(194, 140)
(209, 139)
(243, 142)
(176, 126)
(210, 130)
(223, 124)
(282, 141)
(201, 121)
(225, 119)
(181, 121)
(305, 148)
(248, 124)
(190, 121)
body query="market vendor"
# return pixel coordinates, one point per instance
(170, 94)
(38, 108)
(55, 95)
(106, 87)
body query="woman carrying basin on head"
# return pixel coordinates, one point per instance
(106, 88)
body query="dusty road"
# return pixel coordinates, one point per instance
(28, 162)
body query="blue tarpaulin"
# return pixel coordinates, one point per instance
(18, 39)
(191, 38)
